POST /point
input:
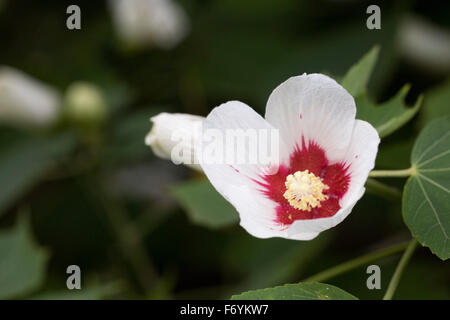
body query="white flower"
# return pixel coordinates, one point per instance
(325, 158)
(162, 23)
(424, 43)
(174, 136)
(25, 100)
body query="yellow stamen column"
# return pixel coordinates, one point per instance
(304, 190)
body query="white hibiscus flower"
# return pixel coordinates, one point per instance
(325, 156)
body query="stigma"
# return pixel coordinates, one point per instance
(304, 190)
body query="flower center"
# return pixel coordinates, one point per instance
(304, 190)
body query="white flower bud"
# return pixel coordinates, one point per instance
(174, 136)
(26, 101)
(162, 23)
(424, 43)
(84, 103)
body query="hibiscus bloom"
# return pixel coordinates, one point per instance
(162, 23)
(325, 158)
(26, 101)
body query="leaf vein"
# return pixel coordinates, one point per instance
(435, 183)
(432, 146)
(435, 170)
(417, 210)
(432, 207)
(433, 158)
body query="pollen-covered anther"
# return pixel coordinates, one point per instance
(304, 190)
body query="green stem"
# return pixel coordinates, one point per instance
(392, 173)
(378, 188)
(355, 263)
(131, 246)
(399, 270)
(127, 235)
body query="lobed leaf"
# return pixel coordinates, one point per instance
(389, 116)
(357, 77)
(386, 117)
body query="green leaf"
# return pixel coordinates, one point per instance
(436, 103)
(22, 263)
(23, 163)
(386, 117)
(426, 205)
(356, 79)
(299, 291)
(204, 205)
(389, 116)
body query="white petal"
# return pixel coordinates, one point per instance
(316, 107)
(257, 215)
(256, 212)
(236, 182)
(301, 236)
(300, 228)
(361, 154)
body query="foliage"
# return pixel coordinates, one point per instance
(426, 208)
(23, 263)
(300, 291)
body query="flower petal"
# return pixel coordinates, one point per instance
(240, 183)
(315, 107)
(302, 236)
(256, 215)
(301, 227)
(256, 212)
(360, 157)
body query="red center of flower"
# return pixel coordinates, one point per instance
(309, 157)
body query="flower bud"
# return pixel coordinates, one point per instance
(174, 136)
(84, 103)
(161, 23)
(25, 101)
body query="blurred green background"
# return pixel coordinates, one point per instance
(87, 191)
